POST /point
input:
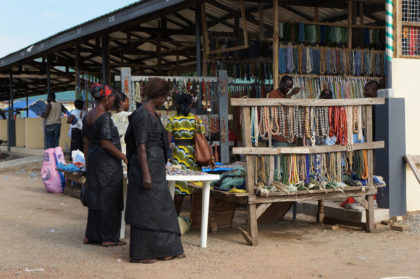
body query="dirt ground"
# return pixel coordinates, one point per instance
(41, 237)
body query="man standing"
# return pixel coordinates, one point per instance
(53, 122)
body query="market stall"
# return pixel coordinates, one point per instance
(331, 154)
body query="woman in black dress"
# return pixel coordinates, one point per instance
(104, 171)
(150, 209)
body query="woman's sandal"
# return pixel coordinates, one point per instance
(144, 261)
(89, 242)
(110, 244)
(181, 256)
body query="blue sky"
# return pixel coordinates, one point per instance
(24, 22)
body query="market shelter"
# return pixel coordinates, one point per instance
(339, 45)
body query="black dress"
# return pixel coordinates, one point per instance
(104, 182)
(154, 223)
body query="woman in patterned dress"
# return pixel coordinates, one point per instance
(182, 127)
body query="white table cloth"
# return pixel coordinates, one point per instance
(205, 178)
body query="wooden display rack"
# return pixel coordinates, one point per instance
(257, 204)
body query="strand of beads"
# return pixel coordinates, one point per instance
(268, 124)
(355, 120)
(276, 126)
(261, 122)
(281, 121)
(252, 125)
(290, 122)
(307, 123)
(256, 126)
(324, 122)
(359, 125)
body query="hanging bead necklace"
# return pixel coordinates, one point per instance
(281, 121)
(290, 126)
(276, 124)
(307, 124)
(256, 128)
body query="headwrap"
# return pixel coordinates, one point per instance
(98, 90)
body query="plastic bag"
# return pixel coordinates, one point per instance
(77, 156)
(53, 180)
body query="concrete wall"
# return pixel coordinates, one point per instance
(34, 133)
(64, 134)
(34, 130)
(30, 133)
(406, 84)
(20, 132)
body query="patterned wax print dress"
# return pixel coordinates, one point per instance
(183, 129)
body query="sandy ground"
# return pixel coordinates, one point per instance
(41, 230)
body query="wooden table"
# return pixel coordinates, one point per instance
(206, 179)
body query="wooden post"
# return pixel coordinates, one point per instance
(320, 216)
(350, 22)
(223, 103)
(369, 137)
(244, 24)
(275, 44)
(252, 208)
(370, 222)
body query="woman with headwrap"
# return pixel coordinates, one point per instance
(104, 171)
(150, 211)
(182, 127)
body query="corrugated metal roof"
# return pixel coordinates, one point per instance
(135, 30)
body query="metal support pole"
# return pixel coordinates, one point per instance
(198, 37)
(10, 123)
(389, 42)
(198, 49)
(105, 59)
(49, 75)
(27, 107)
(77, 91)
